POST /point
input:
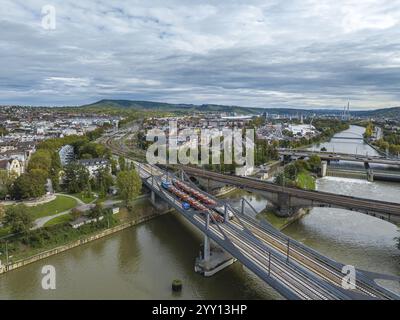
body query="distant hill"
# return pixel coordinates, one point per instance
(380, 113)
(163, 106)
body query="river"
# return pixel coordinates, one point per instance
(141, 262)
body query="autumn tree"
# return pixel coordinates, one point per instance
(18, 219)
(129, 185)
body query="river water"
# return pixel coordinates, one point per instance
(141, 262)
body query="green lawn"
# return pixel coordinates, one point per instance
(277, 222)
(82, 196)
(305, 181)
(57, 220)
(60, 204)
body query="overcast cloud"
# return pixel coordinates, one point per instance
(292, 53)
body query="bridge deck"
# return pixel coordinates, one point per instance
(297, 273)
(325, 155)
(392, 210)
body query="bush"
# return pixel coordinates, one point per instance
(18, 219)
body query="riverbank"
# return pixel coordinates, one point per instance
(379, 151)
(98, 235)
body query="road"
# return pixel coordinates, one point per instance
(339, 156)
(40, 222)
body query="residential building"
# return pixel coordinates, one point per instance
(94, 165)
(66, 154)
(12, 166)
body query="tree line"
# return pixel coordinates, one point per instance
(45, 164)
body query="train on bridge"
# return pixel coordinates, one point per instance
(192, 198)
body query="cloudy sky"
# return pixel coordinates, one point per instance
(270, 53)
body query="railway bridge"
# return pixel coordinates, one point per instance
(288, 200)
(291, 268)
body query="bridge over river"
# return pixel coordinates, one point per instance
(291, 268)
(337, 156)
(288, 200)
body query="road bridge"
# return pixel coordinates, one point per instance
(348, 138)
(337, 156)
(291, 268)
(369, 174)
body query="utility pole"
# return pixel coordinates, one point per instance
(6, 252)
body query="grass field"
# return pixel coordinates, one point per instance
(305, 181)
(83, 197)
(60, 204)
(277, 222)
(57, 220)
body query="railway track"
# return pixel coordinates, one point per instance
(297, 281)
(317, 196)
(284, 272)
(324, 270)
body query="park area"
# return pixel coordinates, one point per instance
(60, 204)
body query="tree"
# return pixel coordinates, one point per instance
(103, 181)
(48, 161)
(55, 170)
(93, 150)
(76, 178)
(314, 163)
(30, 185)
(369, 130)
(2, 212)
(283, 180)
(6, 181)
(97, 211)
(41, 159)
(122, 163)
(18, 219)
(129, 184)
(113, 166)
(301, 165)
(3, 131)
(75, 213)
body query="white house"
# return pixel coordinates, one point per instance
(94, 165)
(12, 166)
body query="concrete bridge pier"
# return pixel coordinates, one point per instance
(283, 207)
(370, 175)
(281, 203)
(157, 202)
(324, 168)
(212, 258)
